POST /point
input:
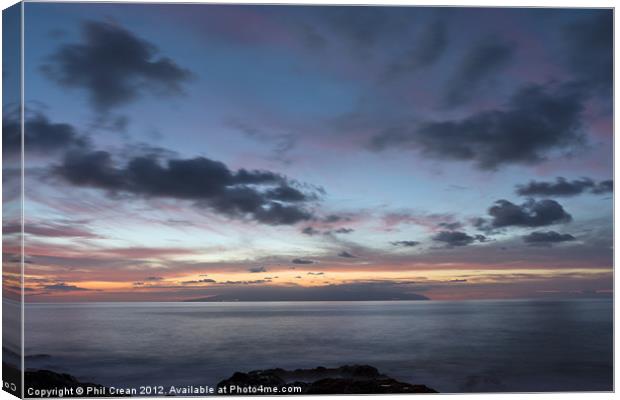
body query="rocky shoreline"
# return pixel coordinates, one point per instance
(348, 379)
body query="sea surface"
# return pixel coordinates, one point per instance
(464, 346)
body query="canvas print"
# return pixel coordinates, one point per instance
(217, 199)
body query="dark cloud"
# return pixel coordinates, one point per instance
(563, 187)
(113, 123)
(41, 135)
(457, 238)
(332, 218)
(547, 238)
(50, 229)
(604, 187)
(286, 193)
(302, 261)
(450, 225)
(254, 282)
(255, 270)
(63, 287)
(480, 64)
(316, 273)
(590, 50)
(114, 66)
(536, 123)
(310, 231)
(405, 243)
(153, 278)
(346, 254)
(278, 214)
(531, 214)
(243, 194)
(207, 280)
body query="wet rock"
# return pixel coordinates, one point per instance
(348, 379)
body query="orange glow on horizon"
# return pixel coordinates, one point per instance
(472, 283)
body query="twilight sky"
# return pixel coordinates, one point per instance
(286, 152)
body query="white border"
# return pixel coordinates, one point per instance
(479, 3)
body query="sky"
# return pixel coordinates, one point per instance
(247, 152)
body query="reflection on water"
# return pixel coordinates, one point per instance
(528, 345)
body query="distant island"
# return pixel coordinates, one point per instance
(252, 297)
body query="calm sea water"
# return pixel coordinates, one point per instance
(468, 346)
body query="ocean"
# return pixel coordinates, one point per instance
(460, 346)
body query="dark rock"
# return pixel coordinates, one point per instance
(255, 378)
(45, 379)
(348, 379)
(368, 386)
